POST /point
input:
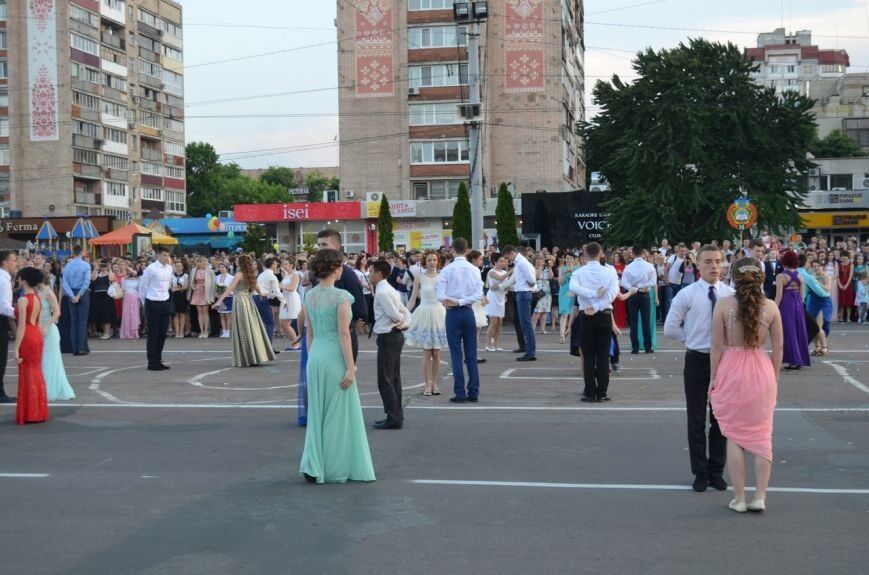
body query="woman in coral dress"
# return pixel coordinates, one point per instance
(32, 396)
(744, 379)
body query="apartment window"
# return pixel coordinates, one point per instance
(791, 69)
(3, 69)
(87, 129)
(428, 114)
(116, 162)
(2, 10)
(4, 97)
(4, 127)
(173, 82)
(438, 75)
(85, 101)
(117, 136)
(86, 45)
(829, 182)
(437, 37)
(857, 129)
(808, 69)
(150, 69)
(116, 189)
(149, 19)
(171, 52)
(113, 56)
(172, 29)
(155, 194)
(2, 39)
(114, 4)
(430, 4)
(832, 68)
(149, 119)
(152, 169)
(4, 154)
(175, 172)
(119, 214)
(116, 110)
(149, 44)
(82, 15)
(173, 149)
(174, 201)
(115, 82)
(174, 125)
(85, 157)
(436, 190)
(89, 75)
(453, 151)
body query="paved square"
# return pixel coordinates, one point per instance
(194, 471)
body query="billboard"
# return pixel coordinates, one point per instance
(564, 219)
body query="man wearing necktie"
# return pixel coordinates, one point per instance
(690, 321)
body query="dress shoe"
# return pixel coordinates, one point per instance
(603, 398)
(700, 483)
(520, 350)
(276, 351)
(6, 399)
(473, 399)
(155, 368)
(635, 352)
(458, 400)
(756, 505)
(310, 478)
(738, 506)
(164, 367)
(586, 399)
(718, 483)
(380, 421)
(526, 358)
(387, 425)
(481, 360)
(81, 353)
(649, 351)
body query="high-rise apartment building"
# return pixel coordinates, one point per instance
(92, 113)
(403, 69)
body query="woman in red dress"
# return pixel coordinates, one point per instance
(32, 398)
(846, 287)
(620, 308)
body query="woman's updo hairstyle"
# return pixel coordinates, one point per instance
(324, 263)
(31, 276)
(748, 277)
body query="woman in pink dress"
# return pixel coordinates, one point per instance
(131, 317)
(744, 378)
(201, 295)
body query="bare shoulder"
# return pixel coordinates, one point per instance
(771, 308)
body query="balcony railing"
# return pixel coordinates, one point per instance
(85, 197)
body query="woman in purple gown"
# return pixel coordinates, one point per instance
(789, 295)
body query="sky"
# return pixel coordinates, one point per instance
(275, 47)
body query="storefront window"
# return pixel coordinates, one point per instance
(352, 233)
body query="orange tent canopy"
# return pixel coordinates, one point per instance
(124, 236)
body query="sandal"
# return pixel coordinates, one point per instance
(427, 393)
(824, 351)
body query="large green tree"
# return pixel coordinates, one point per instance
(505, 218)
(256, 240)
(835, 145)
(279, 175)
(385, 241)
(317, 183)
(680, 143)
(462, 215)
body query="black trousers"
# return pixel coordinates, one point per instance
(639, 310)
(4, 351)
(520, 337)
(697, 372)
(596, 335)
(157, 314)
(389, 346)
(354, 341)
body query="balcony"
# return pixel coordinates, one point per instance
(84, 29)
(152, 154)
(117, 175)
(150, 31)
(82, 197)
(148, 55)
(114, 41)
(151, 81)
(80, 141)
(88, 171)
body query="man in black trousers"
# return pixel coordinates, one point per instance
(154, 291)
(8, 269)
(391, 318)
(331, 239)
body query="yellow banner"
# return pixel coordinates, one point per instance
(829, 220)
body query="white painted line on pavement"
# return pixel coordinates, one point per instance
(24, 475)
(508, 374)
(196, 381)
(623, 486)
(843, 371)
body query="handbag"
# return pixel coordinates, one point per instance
(115, 291)
(536, 296)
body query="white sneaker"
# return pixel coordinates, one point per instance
(756, 505)
(500, 349)
(738, 506)
(490, 348)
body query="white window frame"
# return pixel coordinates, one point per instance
(173, 53)
(437, 75)
(149, 119)
(2, 39)
(4, 154)
(436, 113)
(81, 15)
(175, 172)
(151, 69)
(116, 136)
(149, 19)
(83, 44)
(114, 109)
(152, 168)
(4, 69)
(4, 126)
(3, 10)
(90, 157)
(173, 148)
(117, 189)
(173, 125)
(450, 36)
(87, 129)
(91, 101)
(173, 82)
(426, 152)
(153, 194)
(172, 29)
(116, 162)
(175, 201)
(414, 5)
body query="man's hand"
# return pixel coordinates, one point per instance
(75, 299)
(601, 292)
(450, 303)
(589, 310)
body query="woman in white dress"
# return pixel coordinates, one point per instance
(497, 301)
(292, 304)
(428, 324)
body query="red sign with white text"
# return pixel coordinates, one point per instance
(298, 212)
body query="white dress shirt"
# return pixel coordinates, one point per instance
(269, 286)
(586, 282)
(674, 276)
(639, 274)
(524, 274)
(690, 315)
(155, 283)
(6, 294)
(389, 312)
(460, 281)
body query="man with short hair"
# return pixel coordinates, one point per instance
(525, 283)
(771, 268)
(672, 277)
(458, 287)
(638, 278)
(76, 283)
(270, 295)
(331, 239)
(154, 291)
(8, 269)
(391, 319)
(690, 321)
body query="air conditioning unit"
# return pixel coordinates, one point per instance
(413, 91)
(814, 172)
(374, 196)
(598, 189)
(865, 182)
(131, 125)
(349, 194)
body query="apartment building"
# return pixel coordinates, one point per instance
(843, 104)
(403, 69)
(93, 108)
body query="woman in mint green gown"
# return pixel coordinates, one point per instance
(336, 446)
(57, 385)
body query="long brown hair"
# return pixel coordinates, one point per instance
(750, 299)
(245, 265)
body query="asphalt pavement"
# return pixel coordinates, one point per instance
(195, 471)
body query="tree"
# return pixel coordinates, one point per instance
(505, 218)
(384, 227)
(317, 183)
(835, 145)
(256, 240)
(281, 176)
(462, 215)
(680, 143)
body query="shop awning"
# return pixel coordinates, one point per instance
(124, 236)
(215, 241)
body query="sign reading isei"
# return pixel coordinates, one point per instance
(565, 219)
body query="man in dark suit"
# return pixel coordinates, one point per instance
(331, 239)
(771, 268)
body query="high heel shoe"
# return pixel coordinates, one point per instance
(738, 506)
(824, 351)
(757, 505)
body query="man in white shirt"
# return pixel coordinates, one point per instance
(154, 291)
(8, 269)
(595, 287)
(639, 277)
(525, 283)
(672, 277)
(458, 287)
(690, 320)
(391, 318)
(270, 292)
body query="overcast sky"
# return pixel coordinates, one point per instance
(220, 30)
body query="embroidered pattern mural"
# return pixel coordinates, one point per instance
(525, 51)
(42, 70)
(375, 61)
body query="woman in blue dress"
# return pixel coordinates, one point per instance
(57, 385)
(565, 299)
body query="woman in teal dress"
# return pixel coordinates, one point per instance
(57, 385)
(336, 446)
(565, 300)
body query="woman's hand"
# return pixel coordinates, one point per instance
(20, 360)
(349, 376)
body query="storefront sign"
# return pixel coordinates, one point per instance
(850, 199)
(564, 219)
(299, 212)
(829, 220)
(30, 226)
(398, 209)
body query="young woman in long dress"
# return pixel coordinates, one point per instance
(565, 299)
(789, 296)
(428, 328)
(744, 379)
(336, 446)
(200, 292)
(32, 399)
(57, 385)
(131, 317)
(221, 287)
(292, 304)
(497, 304)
